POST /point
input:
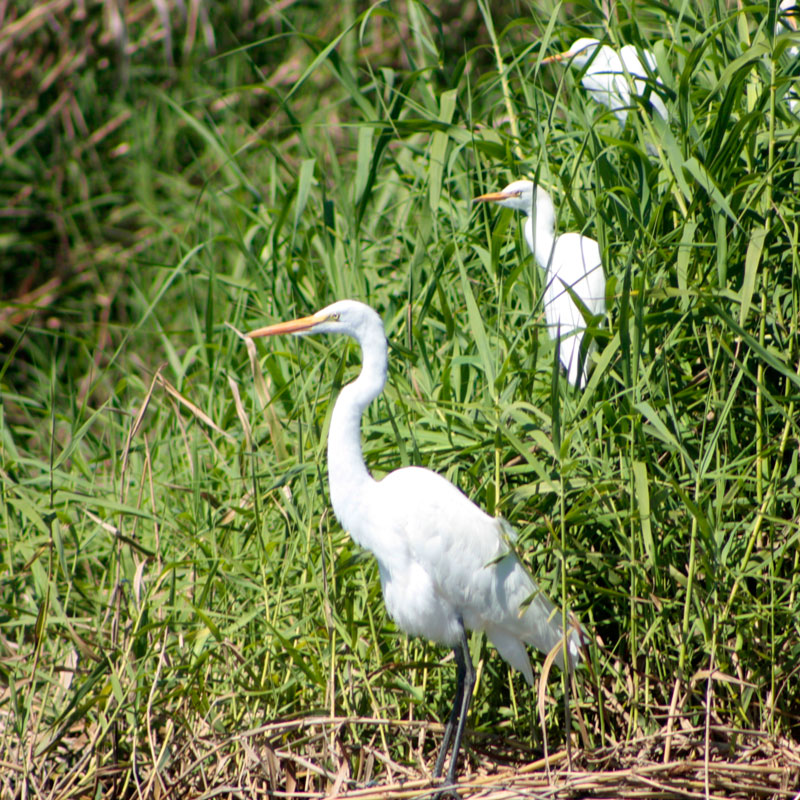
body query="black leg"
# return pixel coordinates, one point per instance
(468, 684)
(448, 730)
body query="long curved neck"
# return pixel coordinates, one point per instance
(348, 476)
(542, 225)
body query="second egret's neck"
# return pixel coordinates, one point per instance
(348, 476)
(542, 226)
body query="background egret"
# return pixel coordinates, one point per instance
(446, 566)
(787, 23)
(640, 74)
(605, 78)
(569, 261)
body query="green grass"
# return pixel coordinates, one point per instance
(171, 570)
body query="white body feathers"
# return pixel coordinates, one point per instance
(605, 78)
(442, 560)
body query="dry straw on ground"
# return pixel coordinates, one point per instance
(286, 760)
(320, 757)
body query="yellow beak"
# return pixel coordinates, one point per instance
(292, 326)
(556, 57)
(492, 197)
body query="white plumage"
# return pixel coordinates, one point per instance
(787, 22)
(630, 58)
(605, 79)
(437, 553)
(445, 565)
(569, 260)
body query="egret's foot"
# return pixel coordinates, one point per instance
(448, 792)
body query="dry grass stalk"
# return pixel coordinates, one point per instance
(294, 758)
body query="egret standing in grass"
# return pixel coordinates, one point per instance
(570, 261)
(605, 79)
(446, 566)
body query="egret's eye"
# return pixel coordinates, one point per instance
(334, 317)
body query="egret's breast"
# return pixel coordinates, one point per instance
(416, 607)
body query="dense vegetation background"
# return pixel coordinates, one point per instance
(177, 603)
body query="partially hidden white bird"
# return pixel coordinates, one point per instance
(570, 260)
(787, 22)
(605, 79)
(445, 566)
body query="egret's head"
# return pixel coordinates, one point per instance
(517, 195)
(578, 54)
(585, 45)
(523, 195)
(344, 316)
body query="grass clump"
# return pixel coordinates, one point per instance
(174, 586)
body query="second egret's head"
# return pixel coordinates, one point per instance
(517, 195)
(523, 195)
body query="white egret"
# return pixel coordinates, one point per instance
(640, 74)
(445, 566)
(605, 78)
(787, 22)
(569, 260)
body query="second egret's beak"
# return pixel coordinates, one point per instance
(298, 325)
(492, 197)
